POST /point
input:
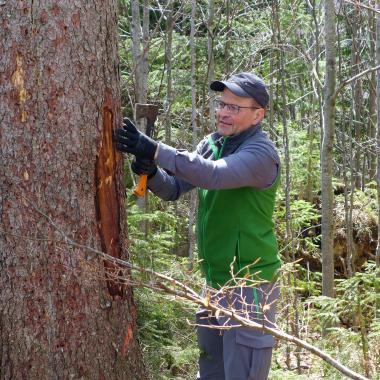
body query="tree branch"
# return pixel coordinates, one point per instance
(172, 286)
(357, 3)
(354, 78)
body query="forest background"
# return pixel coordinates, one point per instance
(318, 60)
(95, 284)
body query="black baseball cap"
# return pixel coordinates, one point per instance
(244, 84)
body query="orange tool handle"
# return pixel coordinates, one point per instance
(140, 188)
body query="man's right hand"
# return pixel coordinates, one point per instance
(130, 140)
(142, 166)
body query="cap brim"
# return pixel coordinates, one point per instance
(234, 88)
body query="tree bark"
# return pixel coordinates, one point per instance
(168, 65)
(211, 63)
(136, 34)
(193, 199)
(357, 98)
(327, 152)
(372, 96)
(63, 315)
(140, 47)
(378, 154)
(227, 47)
(349, 189)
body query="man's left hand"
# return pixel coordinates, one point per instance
(130, 140)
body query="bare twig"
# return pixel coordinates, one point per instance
(361, 5)
(354, 78)
(172, 286)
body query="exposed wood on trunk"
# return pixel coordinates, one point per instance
(107, 202)
(59, 100)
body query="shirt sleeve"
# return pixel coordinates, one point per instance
(255, 165)
(168, 187)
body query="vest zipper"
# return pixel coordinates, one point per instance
(221, 149)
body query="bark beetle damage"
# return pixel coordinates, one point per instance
(107, 204)
(18, 82)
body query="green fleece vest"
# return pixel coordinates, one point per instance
(236, 233)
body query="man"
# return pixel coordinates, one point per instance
(237, 171)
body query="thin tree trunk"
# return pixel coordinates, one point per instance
(62, 316)
(272, 93)
(211, 65)
(349, 188)
(317, 98)
(310, 164)
(192, 205)
(378, 155)
(327, 152)
(144, 55)
(272, 130)
(357, 97)
(289, 241)
(372, 97)
(227, 46)
(136, 33)
(140, 49)
(168, 64)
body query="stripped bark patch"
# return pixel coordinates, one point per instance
(107, 204)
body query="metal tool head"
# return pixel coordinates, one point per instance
(148, 111)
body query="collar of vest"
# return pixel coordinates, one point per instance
(236, 140)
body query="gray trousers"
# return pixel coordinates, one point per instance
(237, 353)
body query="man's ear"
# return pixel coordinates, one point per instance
(258, 115)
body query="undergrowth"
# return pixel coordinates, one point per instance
(346, 326)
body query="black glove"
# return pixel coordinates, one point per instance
(144, 166)
(130, 140)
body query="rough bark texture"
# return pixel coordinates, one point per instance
(59, 100)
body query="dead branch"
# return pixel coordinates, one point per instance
(174, 287)
(354, 78)
(361, 5)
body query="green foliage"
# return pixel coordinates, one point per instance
(305, 160)
(304, 221)
(249, 41)
(167, 336)
(352, 315)
(359, 290)
(168, 339)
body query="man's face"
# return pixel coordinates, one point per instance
(228, 123)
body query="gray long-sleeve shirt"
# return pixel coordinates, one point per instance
(248, 159)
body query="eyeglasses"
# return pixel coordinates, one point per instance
(234, 109)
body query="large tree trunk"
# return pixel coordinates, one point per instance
(61, 315)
